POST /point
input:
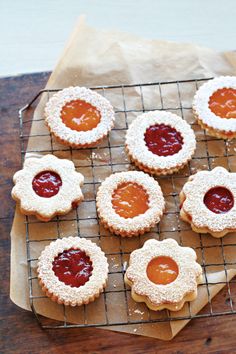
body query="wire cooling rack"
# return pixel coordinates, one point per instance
(115, 305)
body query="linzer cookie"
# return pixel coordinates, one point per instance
(208, 202)
(130, 203)
(79, 117)
(163, 274)
(214, 106)
(72, 271)
(47, 186)
(160, 142)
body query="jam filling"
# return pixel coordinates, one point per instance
(73, 267)
(223, 103)
(163, 140)
(46, 184)
(162, 270)
(219, 200)
(130, 200)
(80, 115)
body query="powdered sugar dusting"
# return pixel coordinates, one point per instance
(194, 191)
(65, 293)
(139, 152)
(61, 203)
(140, 222)
(186, 282)
(201, 104)
(72, 137)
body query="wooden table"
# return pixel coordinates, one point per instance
(19, 330)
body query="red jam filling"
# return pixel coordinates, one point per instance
(46, 184)
(219, 200)
(80, 115)
(223, 103)
(163, 140)
(73, 267)
(130, 200)
(162, 270)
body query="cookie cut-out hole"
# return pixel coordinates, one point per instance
(46, 184)
(73, 267)
(80, 115)
(223, 103)
(219, 200)
(163, 140)
(162, 270)
(130, 200)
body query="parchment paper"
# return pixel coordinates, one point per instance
(93, 58)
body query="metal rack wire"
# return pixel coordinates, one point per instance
(95, 164)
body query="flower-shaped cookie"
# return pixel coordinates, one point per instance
(160, 142)
(79, 117)
(163, 274)
(208, 202)
(130, 203)
(214, 106)
(47, 186)
(72, 271)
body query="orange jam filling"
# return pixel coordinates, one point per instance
(223, 103)
(130, 200)
(162, 270)
(80, 115)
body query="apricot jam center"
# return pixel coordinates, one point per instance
(73, 267)
(219, 200)
(223, 103)
(163, 140)
(80, 115)
(46, 184)
(130, 200)
(162, 270)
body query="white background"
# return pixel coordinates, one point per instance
(33, 32)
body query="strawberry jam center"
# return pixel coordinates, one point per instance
(130, 200)
(80, 115)
(219, 200)
(162, 270)
(73, 267)
(46, 184)
(223, 103)
(163, 140)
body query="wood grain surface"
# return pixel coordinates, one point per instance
(19, 330)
